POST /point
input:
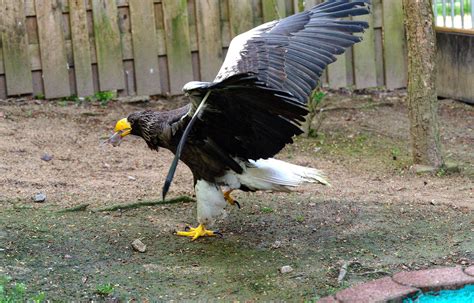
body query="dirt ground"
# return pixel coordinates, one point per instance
(378, 215)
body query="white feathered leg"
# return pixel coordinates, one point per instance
(210, 202)
(210, 206)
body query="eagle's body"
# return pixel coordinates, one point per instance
(233, 126)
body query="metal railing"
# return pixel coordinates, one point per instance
(458, 14)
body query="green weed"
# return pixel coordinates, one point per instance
(104, 289)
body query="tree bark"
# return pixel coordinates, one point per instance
(422, 98)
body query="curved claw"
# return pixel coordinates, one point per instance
(237, 203)
(218, 233)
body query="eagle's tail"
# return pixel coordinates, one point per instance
(273, 174)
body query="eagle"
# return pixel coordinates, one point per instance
(233, 126)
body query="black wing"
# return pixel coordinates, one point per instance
(256, 103)
(291, 54)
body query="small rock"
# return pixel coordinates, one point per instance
(139, 246)
(46, 157)
(2, 115)
(67, 257)
(131, 178)
(39, 197)
(277, 244)
(286, 269)
(423, 169)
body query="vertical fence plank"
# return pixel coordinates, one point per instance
(209, 38)
(337, 73)
(81, 48)
(240, 16)
(273, 9)
(365, 72)
(107, 42)
(15, 48)
(53, 49)
(178, 45)
(394, 44)
(145, 47)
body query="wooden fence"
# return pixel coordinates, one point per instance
(59, 48)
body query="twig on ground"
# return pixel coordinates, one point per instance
(343, 270)
(374, 272)
(81, 207)
(180, 199)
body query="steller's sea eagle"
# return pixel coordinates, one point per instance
(232, 127)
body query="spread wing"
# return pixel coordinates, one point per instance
(258, 99)
(291, 54)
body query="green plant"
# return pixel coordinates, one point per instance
(39, 96)
(395, 153)
(299, 218)
(266, 210)
(15, 292)
(314, 107)
(73, 98)
(104, 289)
(104, 97)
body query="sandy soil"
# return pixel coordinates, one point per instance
(377, 212)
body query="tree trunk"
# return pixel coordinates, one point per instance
(422, 98)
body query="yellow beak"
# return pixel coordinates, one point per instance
(123, 127)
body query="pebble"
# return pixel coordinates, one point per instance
(276, 244)
(286, 269)
(39, 197)
(139, 246)
(131, 178)
(46, 157)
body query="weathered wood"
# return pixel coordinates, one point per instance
(107, 42)
(365, 72)
(240, 16)
(455, 59)
(273, 9)
(178, 45)
(81, 47)
(376, 9)
(337, 73)
(15, 48)
(160, 29)
(379, 68)
(53, 50)
(145, 47)
(3, 88)
(209, 38)
(394, 44)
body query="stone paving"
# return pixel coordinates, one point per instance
(403, 284)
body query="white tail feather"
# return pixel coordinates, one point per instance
(272, 174)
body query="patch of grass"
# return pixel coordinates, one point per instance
(40, 96)
(15, 292)
(105, 289)
(266, 210)
(299, 218)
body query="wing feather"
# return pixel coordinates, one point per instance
(276, 51)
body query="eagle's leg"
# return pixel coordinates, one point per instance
(229, 199)
(210, 206)
(197, 232)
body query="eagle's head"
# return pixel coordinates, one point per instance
(137, 124)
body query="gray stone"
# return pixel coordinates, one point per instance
(139, 246)
(286, 269)
(46, 157)
(39, 197)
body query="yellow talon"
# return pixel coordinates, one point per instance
(197, 232)
(229, 199)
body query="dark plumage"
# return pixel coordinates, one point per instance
(255, 105)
